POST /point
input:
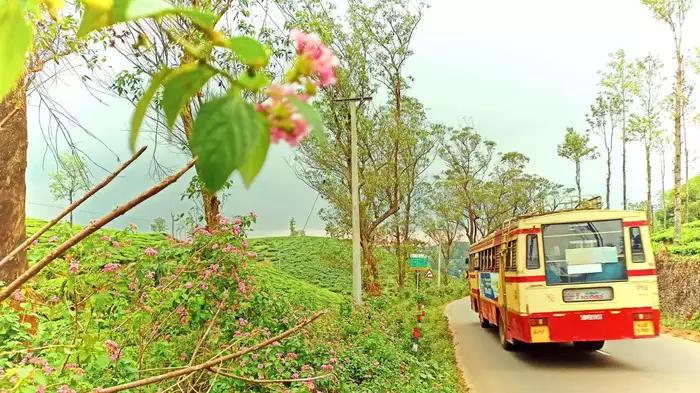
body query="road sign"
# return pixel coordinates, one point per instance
(429, 274)
(418, 261)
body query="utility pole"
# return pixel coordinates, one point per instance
(356, 250)
(439, 262)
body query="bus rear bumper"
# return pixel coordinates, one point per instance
(598, 325)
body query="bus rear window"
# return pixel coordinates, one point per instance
(584, 252)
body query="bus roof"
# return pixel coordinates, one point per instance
(562, 216)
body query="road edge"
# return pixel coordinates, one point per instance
(464, 377)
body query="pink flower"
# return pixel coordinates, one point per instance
(110, 267)
(183, 356)
(113, 350)
(108, 254)
(254, 215)
(134, 227)
(276, 344)
(54, 299)
(261, 366)
(35, 242)
(323, 61)
(327, 367)
(40, 389)
(237, 221)
(285, 320)
(241, 287)
(128, 242)
(242, 322)
(73, 266)
(188, 285)
(64, 389)
(244, 244)
(18, 295)
(106, 238)
(332, 352)
(224, 220)
(215, 246)
(150, 251)
(53, 239)
(295, 376)
(306, 367)
(150, 274)
(115, 244)
(203, 285)
(252, 254)
(332, 360)
(254, 357)
(134, 284)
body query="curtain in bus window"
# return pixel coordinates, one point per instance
(584, 252)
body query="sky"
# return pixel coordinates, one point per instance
(520, 72)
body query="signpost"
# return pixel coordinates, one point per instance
(418, 262)
(429, 274)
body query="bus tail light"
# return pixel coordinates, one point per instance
(538, 321)
(643, 316)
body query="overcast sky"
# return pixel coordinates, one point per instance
(521, 72)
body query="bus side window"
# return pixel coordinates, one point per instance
(514, 254)
(637, 246)
(533, 253)
(508, 261)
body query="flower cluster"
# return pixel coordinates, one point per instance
(315, 66)
(112, 350)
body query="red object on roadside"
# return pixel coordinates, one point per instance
(423, 313)
(416, 333)
(418, 317)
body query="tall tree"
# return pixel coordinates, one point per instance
(70, 178)
(468, 158)
(442, 221)
(602, 120)
(674, 13)
(576, 147)
(52, 45)
(618, 79)
(163, 36)
(646, 126)
(687, 108)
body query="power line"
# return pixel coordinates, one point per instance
(311, 211)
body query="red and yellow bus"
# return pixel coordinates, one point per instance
(581, 276)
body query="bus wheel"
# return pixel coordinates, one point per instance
(484, 322)
(589, 345)
(502, 335)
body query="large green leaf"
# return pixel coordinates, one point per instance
(138, 9)
(222, 137)
(249, 51)
(251, 167)
(16, 36)
(181, 86)
(142, 106)
(311, 116)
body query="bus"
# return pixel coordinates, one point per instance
(581, 276)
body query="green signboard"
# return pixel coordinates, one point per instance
(418, 261)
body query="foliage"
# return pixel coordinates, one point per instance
(690, 192)
(441, 223)
(70, 178)
(366, 348)
(231, 134)
(576, 147)
(159, 225)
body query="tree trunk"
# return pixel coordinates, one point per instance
(624, 153)
(397, 252)
(677, 219)
(370, 276)
(647, 154)
(13, 168)
(578, 180)
(607, 182)
(70, 202)
(662, 168)
(210, 201)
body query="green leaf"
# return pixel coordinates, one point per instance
(202, 19)
(39, 377)
(138, 9)
(181, 86)
(312, 117)
(255, 82)
(99, 14)
(224, 132)
(251, 167)
(249, 51)
(102, 360)
(142, 106)
(16, 36)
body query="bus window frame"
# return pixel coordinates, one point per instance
(527, 252)
(640, 252)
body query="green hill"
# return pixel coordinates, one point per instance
(690, 240)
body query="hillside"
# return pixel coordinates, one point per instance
(690, 240)
(115, 275)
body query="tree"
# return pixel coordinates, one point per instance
(602, 121)
(673, 13)
(163, 51)
(576, 147)
(442, 221)
(159, 225)
(70, 178)
(49, 46)
(618, 80)
(292, 227)
(646, 127)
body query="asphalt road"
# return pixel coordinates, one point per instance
(660, 365)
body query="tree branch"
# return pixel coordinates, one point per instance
(211, 363)
(70, 208)
(90, 229)
(8, 117)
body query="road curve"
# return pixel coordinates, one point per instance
(660, 365)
